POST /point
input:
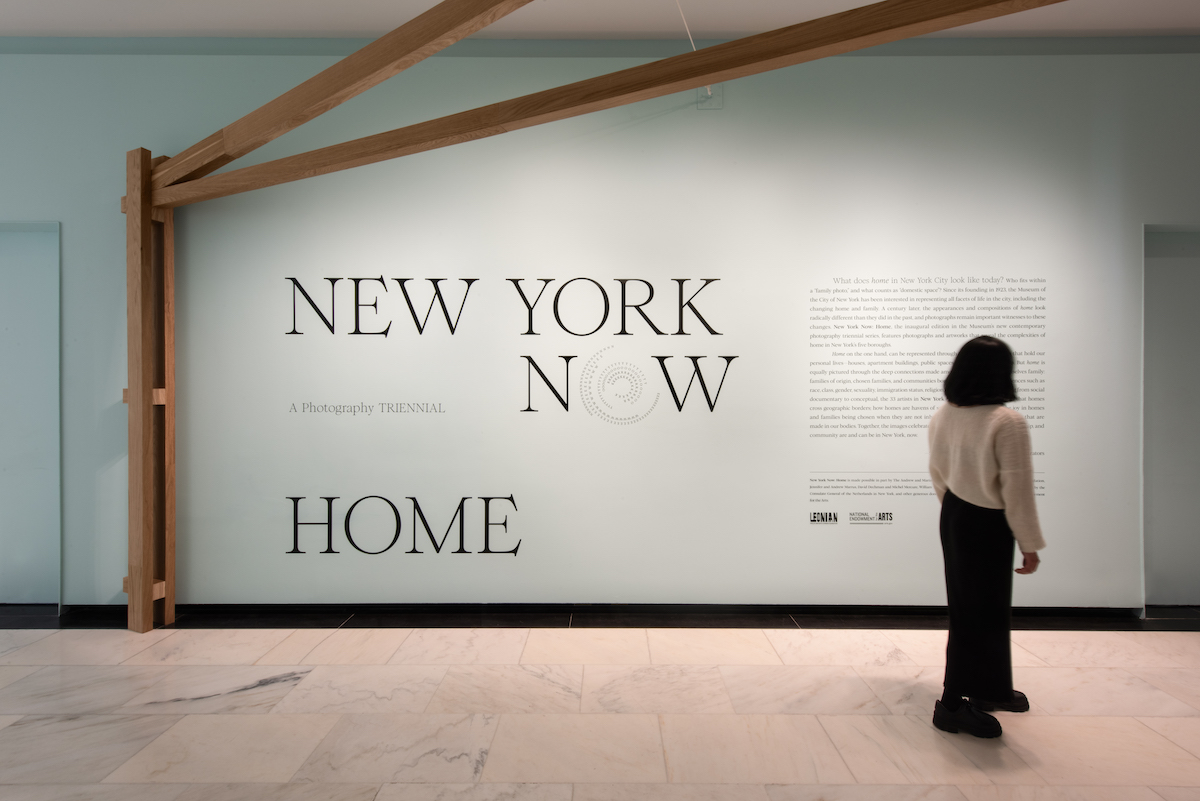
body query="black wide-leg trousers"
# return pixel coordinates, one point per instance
(978, 547)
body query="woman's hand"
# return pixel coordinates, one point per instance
(1030, 563)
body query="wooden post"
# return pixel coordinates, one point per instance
(139, 277)
(150, 287)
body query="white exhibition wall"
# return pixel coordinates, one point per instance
(912, 201)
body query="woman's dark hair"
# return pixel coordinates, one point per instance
(981, 374)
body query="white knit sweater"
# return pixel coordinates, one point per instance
(983, 455)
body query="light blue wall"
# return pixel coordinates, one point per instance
(30, 497)
(1118, 127)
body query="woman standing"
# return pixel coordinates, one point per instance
(982, 468)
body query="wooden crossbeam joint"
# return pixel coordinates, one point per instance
(158, 588)
(157, 214)
(416, 40)
(158, 396)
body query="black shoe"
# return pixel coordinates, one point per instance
(966, 718)
(1019, 703)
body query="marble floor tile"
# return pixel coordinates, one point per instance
(576, 748)
(751, 749)
(211, 647)
(461, 647)
(518, 689)
(85, 647)
(8, 720)
(10, 674)
(654, 689)
(670, 792)
(898, 749)
(75, 749)
(357, 647)
(211, 690)
(905, 690)
(928, 648)
(1060, 794)
(1182, 683)
(77, 689)
(1085, 751)
(1096, 691)
(475, 792)
(1184, 732)
(294, 647)
(92, 792)
(711, 647)
(1089, 649)
(1172, 794)
(586, 647)
(799, 690)
(1182, 647)
(1001, 764)
(401, 748)
(363, 689)
(12, 639)
(835, 647)
(220, 749)
(280, 792)
(852, 792)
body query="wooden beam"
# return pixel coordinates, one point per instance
(416, 40)
(871, 25)
(141, 333)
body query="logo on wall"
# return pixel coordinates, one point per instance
(870, 518)
(823, 518)
(615, 391)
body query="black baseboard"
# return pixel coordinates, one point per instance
(594, 616)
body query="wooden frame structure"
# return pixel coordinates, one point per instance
(155, 186)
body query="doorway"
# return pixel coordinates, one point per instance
(1170, 419)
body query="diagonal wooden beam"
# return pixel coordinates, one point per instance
(421, 37)
(871, 25)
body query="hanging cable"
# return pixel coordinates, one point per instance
(689, 33)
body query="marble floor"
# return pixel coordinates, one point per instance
(567, 714)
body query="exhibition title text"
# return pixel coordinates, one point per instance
(580, 307)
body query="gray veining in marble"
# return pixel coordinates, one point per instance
(280, 792)
(402, 748)
(364, 688)
(85, 647)
(509, 689)
(12, 639)
(800, 690)
(654, 689)
(670, 792)
(475, 792)
(74, 749)
(893, 792)
(92, 792)
(70, 689)
(216, 690)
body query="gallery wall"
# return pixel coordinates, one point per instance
(933, 182)
(30, 478)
